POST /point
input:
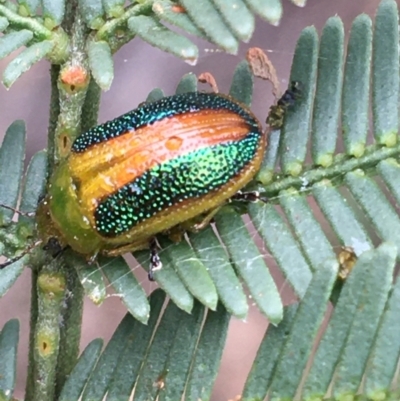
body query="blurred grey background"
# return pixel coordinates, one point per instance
(138, 69)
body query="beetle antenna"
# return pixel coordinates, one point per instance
(26, 214)
(17, 258)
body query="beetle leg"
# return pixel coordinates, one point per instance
(127, 248)
(206, 220)
(253, 196)
(194, 225)
(155, 262)
(93, 258)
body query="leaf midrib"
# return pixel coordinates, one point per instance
(341, 165)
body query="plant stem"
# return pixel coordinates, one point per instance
(72, 97)
(70, 329)
(57, 295)
(51, 285)
(30, 383)
(115, 32)
(53, 118)
(341, 165)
